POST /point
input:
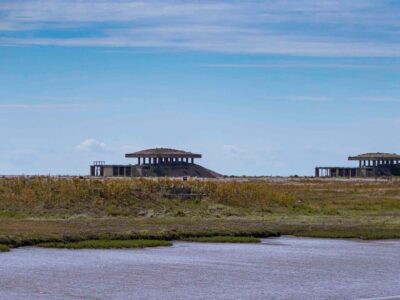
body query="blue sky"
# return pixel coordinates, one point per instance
(258, 87)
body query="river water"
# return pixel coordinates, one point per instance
(278, 268)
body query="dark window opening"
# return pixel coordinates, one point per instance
(121, 171)
(115, 171)
(128, 172)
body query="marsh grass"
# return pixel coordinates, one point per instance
(107, 244)
(225, 239)
(363, 232)
(52, 197)
(49, 209)
(4, 248)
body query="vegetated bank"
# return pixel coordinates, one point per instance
(106, 244)
(50, 209)
(224, 239)
(4, 248)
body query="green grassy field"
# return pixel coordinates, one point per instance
(48, 209)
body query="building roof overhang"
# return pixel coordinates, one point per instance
(376, 156)
(162, 152)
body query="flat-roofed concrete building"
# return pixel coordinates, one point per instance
(155, 162)
(369, 165)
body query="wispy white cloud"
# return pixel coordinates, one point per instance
(303, 27)
(232, 149)
(307, 65)
(383, 99)
(249, 44)
(309, 98)
(322, 99)
(92, 145)
(29, 106)
(300, 98)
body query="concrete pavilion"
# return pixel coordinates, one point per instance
(163, 156)
(376, 159)
(369, 165)
(156, 162)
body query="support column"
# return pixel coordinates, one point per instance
(191, 160)
(138, 159)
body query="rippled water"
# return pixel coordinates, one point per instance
(279, 268)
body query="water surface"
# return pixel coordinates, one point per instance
(279, 268)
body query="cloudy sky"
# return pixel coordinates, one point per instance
(258, 87)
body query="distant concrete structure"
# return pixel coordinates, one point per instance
(163, 156)
(370, 165)
(155, 162)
